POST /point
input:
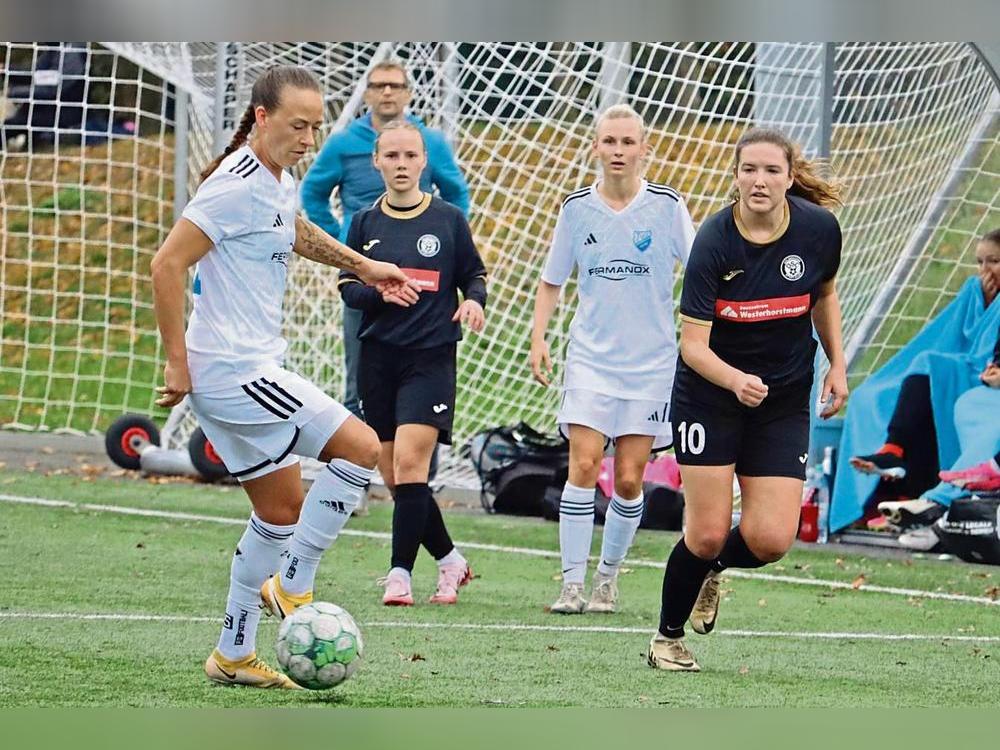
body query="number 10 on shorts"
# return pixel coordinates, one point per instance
(692, 437)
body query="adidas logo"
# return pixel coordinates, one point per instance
(277, 222)
(438, 408)
(591, 239)
(654, 417)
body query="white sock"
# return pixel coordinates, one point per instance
(576, 528)
(256, 559)
(329, 503)
(995, 465)
(620, 525)
(401, 572)
(452, 558)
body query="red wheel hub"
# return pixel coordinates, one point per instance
(210, 453)
(130, 434)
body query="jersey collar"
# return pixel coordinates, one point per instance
(413, 213)
(745, 233)
(631, 204)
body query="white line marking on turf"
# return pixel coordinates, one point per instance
(529, 551)
(489, 626)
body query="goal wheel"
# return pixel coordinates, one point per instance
(205, 459)
(126, 437)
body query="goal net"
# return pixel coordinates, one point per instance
(910, 128)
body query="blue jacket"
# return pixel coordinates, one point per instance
(345, 161)
(952, 349)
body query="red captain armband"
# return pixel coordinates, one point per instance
(755, 310)
(428, 281)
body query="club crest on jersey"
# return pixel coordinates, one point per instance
(642, 239)
(428, 245)
(792, 267)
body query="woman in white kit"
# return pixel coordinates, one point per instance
(625, 236)
(241, 229)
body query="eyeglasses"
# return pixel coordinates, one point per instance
(392, 86)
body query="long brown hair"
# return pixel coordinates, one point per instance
(806, 180)
(266, 93)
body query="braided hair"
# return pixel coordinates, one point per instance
(266, 93)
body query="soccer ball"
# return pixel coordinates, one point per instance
(319, 646)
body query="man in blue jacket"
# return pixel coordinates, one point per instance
(345, 162)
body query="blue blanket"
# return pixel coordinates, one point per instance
(952, 349)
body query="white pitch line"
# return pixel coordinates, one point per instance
(490, 626)
(528, 551)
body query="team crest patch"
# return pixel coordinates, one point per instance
(792, 267)
(428, 245)
(642, 239)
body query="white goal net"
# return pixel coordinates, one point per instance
(99, 151)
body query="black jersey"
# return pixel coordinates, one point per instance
(431, 243)
(758, 298)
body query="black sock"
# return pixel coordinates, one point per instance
(736, 554)
(436, 539)
(681, 583)
(409, 518)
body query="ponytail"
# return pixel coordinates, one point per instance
(807, 182)
(266, 93)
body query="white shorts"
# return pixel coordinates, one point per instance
(615, 417)
(264, 425)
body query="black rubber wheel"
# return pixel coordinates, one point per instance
(205, 459)
(126, 435)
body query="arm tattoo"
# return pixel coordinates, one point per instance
(313, 243)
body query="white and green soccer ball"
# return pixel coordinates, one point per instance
(319, 646)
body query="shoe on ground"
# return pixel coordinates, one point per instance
(706, 608)
(604, 594)
(570, 601)
(885, 464)
(981, 477)
(670, 654)
(450, 579)
(251, 672)
(920, 539)
(279, 602)
(907, 514)
(397, 591)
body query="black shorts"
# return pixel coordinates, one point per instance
(399, 385)
(712, 428)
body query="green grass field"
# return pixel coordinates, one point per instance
(158, 584)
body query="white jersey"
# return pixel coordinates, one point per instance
(234, 334)
(622, 341)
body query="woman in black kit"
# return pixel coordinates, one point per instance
(762, 273)
(406, 375)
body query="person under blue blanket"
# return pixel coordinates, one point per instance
(930, 406)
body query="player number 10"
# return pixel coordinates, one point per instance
(692, 437)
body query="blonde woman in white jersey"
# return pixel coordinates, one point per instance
(625, 236)
(241, 229)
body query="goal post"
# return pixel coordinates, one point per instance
(911, 129)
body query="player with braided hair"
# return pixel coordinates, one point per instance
(240, 231)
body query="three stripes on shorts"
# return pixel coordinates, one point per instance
(272, 397)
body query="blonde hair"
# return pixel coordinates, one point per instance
(621, 112)
(400, 125)
(806, 181)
